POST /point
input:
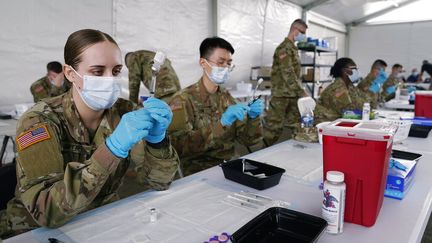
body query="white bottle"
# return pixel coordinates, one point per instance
(366, 112)
(398, 92)
(333, 205)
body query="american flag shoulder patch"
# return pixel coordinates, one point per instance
(33, 136)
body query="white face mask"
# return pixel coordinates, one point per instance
(399, 75)
(98, 92)
(218, 75)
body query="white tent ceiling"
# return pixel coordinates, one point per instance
(354, 11)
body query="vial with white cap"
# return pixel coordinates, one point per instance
(333, 204)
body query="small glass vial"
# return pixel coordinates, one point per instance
(366, 112)
(333, 205)
(153, 215)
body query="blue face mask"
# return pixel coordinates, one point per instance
(300, 37)
(354, 76)
(219, 75)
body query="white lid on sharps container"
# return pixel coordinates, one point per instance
(335, 176)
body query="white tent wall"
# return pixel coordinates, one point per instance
(407, 44)
(34, 33)
(255, 28)
(174, 27)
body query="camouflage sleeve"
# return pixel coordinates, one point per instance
(288, 84)
(155, 166)
(335, 99)
(388, 83)
(341, 100)
(39, 92)
(364, 84)
(135, 75)
(167, 81)
(186, 138)
(53, 191)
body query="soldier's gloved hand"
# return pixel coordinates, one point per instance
(411, 89)
(233, 113)
(391, 90)
(381, 77)
(374, 88)
(256, 109)
(133, 127)
(162, 117)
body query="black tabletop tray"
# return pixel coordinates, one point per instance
(281, 225)
(233, 171)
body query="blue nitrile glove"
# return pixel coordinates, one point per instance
(398, 165)
(256, 109)
(162, 117)
(411, 89)
(391, 90)
(374, 88)
(381, 77)
(233, 113)
(133, 127)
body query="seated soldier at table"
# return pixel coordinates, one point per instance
(341, 94)
(74, 149)
(372, 83)
(207, 119)
(52, 84)
(139, 65)
(390, 85)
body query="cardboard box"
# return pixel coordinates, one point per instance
(312, 74)
(260, 72)
(400, 178)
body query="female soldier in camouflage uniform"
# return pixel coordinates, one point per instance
(74, 149)
(341, 94)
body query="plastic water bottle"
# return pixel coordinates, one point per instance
(333, 205)
(307, 120)
(366, 112)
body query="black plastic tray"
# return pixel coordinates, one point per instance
(233, 171)
(280, 225)
(398, 154)
(419, 131)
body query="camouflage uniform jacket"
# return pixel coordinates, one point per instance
(391, 81)
(196, 131)
(62, 171)
(337, 97)
(139, 66)
(364, 87)
(42, 88)
(285, 75)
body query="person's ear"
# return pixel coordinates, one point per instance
(202, 62)
(69, 73)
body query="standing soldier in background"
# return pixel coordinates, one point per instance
(139, 64)
(286, 89)
(371, 84)
(52, 84)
